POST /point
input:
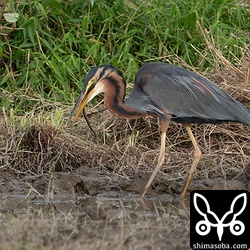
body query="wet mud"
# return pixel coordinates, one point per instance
(85, 181)
(105, 208)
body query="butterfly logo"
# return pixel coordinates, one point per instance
(236, 227)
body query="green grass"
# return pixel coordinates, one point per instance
(46, 54)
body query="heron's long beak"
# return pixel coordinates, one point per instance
(85, 97)
(80, 105)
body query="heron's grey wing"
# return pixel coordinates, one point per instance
(188, 95)
(141, 102)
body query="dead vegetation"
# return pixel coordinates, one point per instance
(97, 226)
(122, 145)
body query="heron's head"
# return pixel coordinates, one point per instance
(92, 86)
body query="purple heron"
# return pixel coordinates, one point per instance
(165, 91)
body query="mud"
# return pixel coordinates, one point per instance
(91, 208)
(92, 182)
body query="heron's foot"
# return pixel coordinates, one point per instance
(144, 192)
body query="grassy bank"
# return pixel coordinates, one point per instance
(46, 53)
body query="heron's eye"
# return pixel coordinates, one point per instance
(91, 84)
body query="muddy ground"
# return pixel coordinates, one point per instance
(89, 208)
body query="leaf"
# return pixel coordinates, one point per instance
(11, 17)
(42, 9)
(31, 32)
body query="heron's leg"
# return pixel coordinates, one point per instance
(197, 156)
(164, 126)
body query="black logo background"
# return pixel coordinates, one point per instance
(220, 202)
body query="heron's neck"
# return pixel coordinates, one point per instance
(114, 100)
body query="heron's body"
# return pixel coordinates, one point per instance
(189, 97)
(168, 92)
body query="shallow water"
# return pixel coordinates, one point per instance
(148, 207)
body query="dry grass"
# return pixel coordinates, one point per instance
(39, 147)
